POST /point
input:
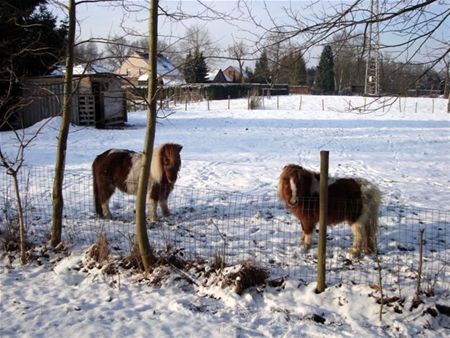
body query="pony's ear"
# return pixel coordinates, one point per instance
(179, 147)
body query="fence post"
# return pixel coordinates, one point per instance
(300, 104)
(207, 101)
(323, 105)
(323, 211)
(278, 102)
(228, 102)
(185, 101)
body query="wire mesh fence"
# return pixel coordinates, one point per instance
(238, 227)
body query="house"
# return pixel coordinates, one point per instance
(234, 74)
(134, 68)
(217, 76)
(98, 98)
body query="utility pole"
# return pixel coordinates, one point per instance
(372, 80)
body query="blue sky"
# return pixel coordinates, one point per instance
(101, 20)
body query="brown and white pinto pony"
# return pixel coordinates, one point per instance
(354, 200)
(117, 168)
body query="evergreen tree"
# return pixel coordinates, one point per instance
(325, 71)
(262, 71)
(31, 44)
(189, 68)
(200, 68)
(301, 70)
(292, 69)
(195, 69)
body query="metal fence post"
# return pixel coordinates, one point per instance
(321, 251)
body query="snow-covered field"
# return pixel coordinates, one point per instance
(227, 186)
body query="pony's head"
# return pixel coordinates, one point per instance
(295, 183)
(170, 161)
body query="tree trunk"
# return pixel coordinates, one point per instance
(448, 104)
(57, 197)
(22, 239)
(148, 258)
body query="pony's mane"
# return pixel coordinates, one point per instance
(170, 150)
(156, 171)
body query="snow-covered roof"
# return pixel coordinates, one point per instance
(168, 80)
(163, 65)
(80, 69)
(212, 74)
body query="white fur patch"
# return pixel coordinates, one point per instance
(293, 198)
(156, 171)
(132, 180)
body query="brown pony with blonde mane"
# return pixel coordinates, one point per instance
(354, 200)
(118, 168)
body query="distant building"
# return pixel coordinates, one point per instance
(98, 98)
(134, 68)
(217, 76)
(234, 75)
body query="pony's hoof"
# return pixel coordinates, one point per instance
(306, 247)
(355, 252)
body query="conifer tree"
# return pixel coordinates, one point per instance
(195, 69)
(325, 71)
(200, 67)
(262, 71)
(301, 70)
(188, 68)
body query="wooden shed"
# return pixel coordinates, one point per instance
(98, 99)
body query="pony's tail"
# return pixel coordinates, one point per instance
(371, 202)
(98, 207)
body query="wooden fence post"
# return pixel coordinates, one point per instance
(228, 102)
(278, 102)
(300, 104)
(323, 211)
(323, 105)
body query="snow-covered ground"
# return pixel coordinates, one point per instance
(235, 156)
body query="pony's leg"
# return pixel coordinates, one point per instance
(302, 237)
(307, 235)
(152, 205)
(105, 210)
(357, 229)
(307, 240)
(164, 208)
(105, 191)
(372, 236)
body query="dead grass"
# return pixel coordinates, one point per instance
(254, 101)
(248, 275)
(99, 251)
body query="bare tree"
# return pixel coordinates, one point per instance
(238, 51)
(412, 31)
(13, 165)
(147, 255)
(57, 195)
(87, 52)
